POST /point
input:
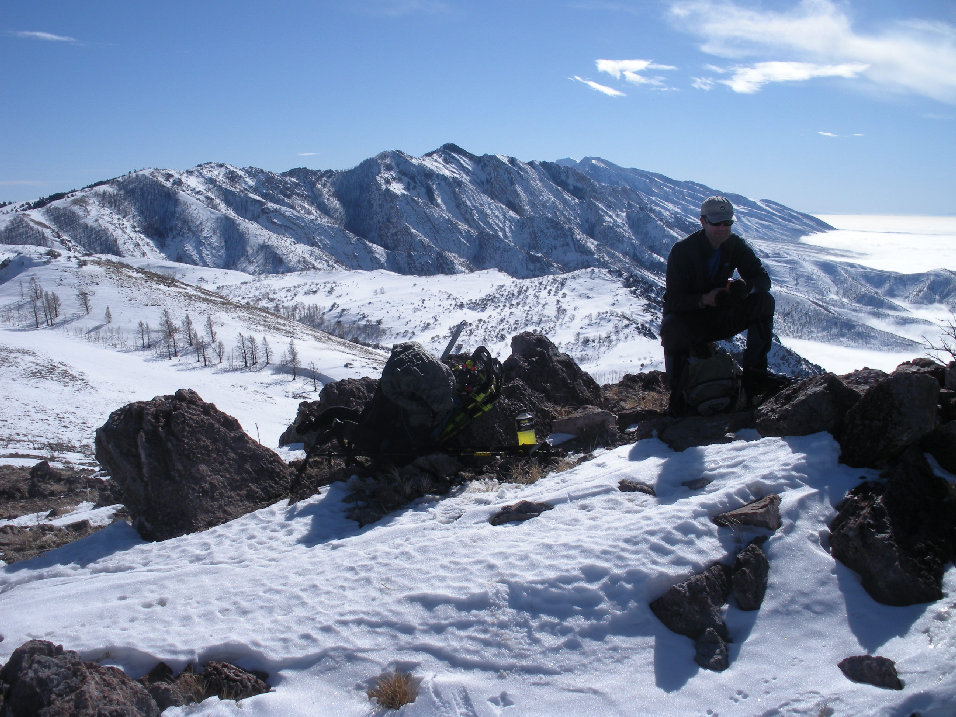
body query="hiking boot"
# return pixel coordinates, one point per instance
(759, 382)
(677, 406)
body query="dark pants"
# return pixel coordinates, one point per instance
(682, 333)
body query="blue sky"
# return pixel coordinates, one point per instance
(829, 106)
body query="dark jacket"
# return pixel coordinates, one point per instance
(687, 274)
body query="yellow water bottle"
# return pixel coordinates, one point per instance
(525, 425)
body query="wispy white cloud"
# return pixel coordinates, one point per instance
(915, 56)
(604, 89)
(748, 80)
(46, 36)
(836, 136)
(307, 154)
(633, 71)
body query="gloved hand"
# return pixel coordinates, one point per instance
(738, 289)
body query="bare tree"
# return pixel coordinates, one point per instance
(220, 350)
(210, 329)
(83, 296)
(243, 353)
(266, 350)
(51, 307)
(35, 294)
(292, 358)
(200, 343)
(946, 343)
(169, 330)
(188, 329)
(108, 316)
(253, 350)
(143, 334)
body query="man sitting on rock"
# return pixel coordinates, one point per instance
(702, 303)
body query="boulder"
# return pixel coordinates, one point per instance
(588, 424)
(700, 430)
(898, 533)
(637, 397)
(230, 682)
(694, 605)
(185, 466)
(892, 415)
(941, 444)
(44, 679)
(949, 378)
(871, 670)
(762, 513)
(947, 405)
(924, 366)
(351, 393)
(862, 380)
(553, 375)
(748, 577)
(710, 651)
(817, 404)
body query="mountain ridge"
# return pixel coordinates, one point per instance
(449, 211)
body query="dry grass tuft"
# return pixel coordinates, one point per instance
(525, 473)
(394, 689)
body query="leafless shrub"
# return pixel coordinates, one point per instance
(394, 689)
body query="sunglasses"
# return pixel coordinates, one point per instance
(728, 223)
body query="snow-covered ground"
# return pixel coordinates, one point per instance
(544, 617)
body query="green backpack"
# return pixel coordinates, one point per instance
(711, 384)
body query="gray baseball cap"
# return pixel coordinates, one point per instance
(717, 209)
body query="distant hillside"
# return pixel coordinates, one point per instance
(446, 212)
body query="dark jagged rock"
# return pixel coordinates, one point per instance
(941, 444)
(924, 366)
(871, 670)
(762, 513)
(898, 533)
(748, 577)
(862, 380)
(185, 466)
(817, 404)
(230, 682)
(892, 415)
(710, 651)
(692, 606)
(352, 393)
(693, 431)
(589, 425)
(44, 679)
(553, 375)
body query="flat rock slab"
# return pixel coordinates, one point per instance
(763, 513)
(525, 510)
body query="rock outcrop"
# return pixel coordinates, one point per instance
(898, 533)
(44, 679)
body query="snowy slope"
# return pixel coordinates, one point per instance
(545, 617)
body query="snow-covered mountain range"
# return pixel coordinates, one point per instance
(450, 212)
(446, 212)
